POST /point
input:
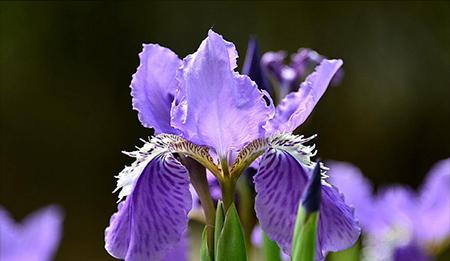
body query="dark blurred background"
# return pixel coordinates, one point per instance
(65, 111)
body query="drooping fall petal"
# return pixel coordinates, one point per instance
(153, 217)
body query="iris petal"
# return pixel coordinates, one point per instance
(357, 192)
(153, 87)
(216, 106)
(153, 217)
(280, 182)
(295, 108)
(435, 204)
(36, 239)
(337, 227)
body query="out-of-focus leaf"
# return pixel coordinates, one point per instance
(351, 254)
(204, 253)
(271, 251)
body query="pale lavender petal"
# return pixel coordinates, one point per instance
(357, 191)
(153, 87)
(36, 239)
(153, 217)
(410, 252)
(279, 183)
(295, 108)
(9, 236)
(397, 206)
(337, 228)
(216, 106)
(180, 252)
(257, 236)
(434, 205)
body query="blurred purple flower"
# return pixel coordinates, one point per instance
(201, 108)
(286, 78)
(35, 239)
(398, 223)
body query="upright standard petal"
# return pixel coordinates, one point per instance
(280, 183)
(295, 108)
(153, 217)
(252, 66)
(36, 239)
(153, 87)
(216, 106)
(434, 205)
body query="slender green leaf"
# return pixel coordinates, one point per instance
(304, 241)
(204, 253)
(218, 225)
(231, 243)
(271, 251)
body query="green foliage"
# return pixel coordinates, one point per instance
(231, 242)
(271, 251)
(204, 253)
(218, 225)
(351, 254)
(304, 240)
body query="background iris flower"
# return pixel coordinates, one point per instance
(36, 238)
(206, 114)
(399, 223)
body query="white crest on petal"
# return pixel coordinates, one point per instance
(155, 146)
(295, 145)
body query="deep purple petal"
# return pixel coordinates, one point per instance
(36, 239)
(295, 108)
(434, 205)
(153, 87)
(279, 183)
(357, 192)
(410, 252)
(216, 106)
(252, 66)
(273, 62)
(180, 252)
(337, 228)
(153, 217)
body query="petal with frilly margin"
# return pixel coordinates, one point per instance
(153, 87)
(295, 108)
(280, 183)
(216, 106)
(357, 191)
(337, 227)
(153, 218)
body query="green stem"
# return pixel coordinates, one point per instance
(228, 186)
(246, 203)
(197, 174)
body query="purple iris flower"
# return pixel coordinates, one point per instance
(201, 108)
(399, 223)
(35, 239)
(287, 77)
